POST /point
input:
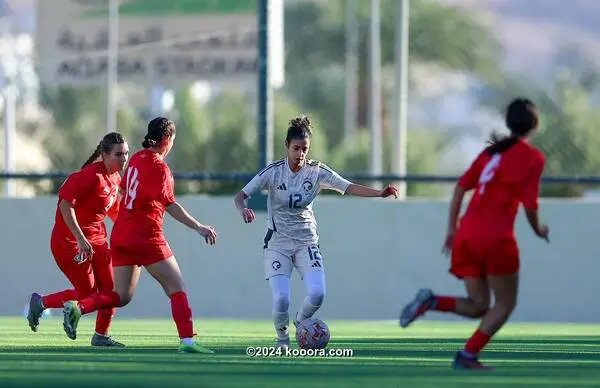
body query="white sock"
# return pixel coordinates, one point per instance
(308, 310)
(281, 321)
(280, 289)
(187, 341)
(315, 287)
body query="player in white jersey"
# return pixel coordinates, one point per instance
(292, 240)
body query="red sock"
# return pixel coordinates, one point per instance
(99, 300)
(444, 303)
(182, 314)
(477, 342)
(58, 299)
(104, 319)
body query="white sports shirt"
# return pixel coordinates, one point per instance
(290, 196)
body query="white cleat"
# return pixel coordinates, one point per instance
(283, 344)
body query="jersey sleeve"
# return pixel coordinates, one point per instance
(259, 182)
(167, 187)
(329, 179)
(531, 190)
(470, 178)
(77, 186)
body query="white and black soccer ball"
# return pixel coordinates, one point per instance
(312, 333)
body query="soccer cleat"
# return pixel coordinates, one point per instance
(105, 341)
(71, 316)
(195, 347)
(463, 362)
(422, 302)
(35, 312)
(282, 343)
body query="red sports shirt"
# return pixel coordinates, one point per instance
(93, 193)
(147, 190)
(501, 182)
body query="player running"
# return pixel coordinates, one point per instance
(483, 245)
(292, 240)
(79, 241)
(138, 239)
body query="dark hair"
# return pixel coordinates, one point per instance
(106, 146)
(521, 118)
(158, 129)
(299, 128)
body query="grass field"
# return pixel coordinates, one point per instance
(525, 355)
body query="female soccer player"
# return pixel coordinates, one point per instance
(138, 239)
(484, 249)
(292, 239)
(79, 241)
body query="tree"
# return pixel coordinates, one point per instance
(566, 136)
(315, 43)
(424, 146)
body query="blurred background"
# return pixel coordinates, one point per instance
(393, 87)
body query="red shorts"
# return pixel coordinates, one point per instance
(89, 276)
(473, 257)
(140, 255)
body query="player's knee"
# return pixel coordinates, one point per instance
(124, 298)
(281, 301)
(316, 296)
(505, 308)
(479, 307)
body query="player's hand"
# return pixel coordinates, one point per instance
(85, 250)
(448, 242)
(248, 215)
(208, 232)
(389, 190)
(543, 232)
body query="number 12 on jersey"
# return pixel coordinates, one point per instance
(295, 201)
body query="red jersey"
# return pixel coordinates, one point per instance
(93, 193)
(501, 181)
(148, 188)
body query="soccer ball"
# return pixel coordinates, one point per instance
(312, 333)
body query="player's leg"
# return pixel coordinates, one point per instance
(105, 282)
(278, 268)
(466, 265)
(126, 278)
(309, 263)
(168, 274)
(502, 269)
(280, 290)
(505, 290)
(81, 277)
(63, 255)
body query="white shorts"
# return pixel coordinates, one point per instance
(282, 254)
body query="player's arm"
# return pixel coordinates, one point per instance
(178, 212)
(76, 187)
(329, 179)
(259, 181)
(364, 191)
(467, 181)
(530, 199)
(454, 210)
(67, 210)
(181, 215)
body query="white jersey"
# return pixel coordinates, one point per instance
(291, 194)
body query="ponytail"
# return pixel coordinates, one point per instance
(148, 143)
(499, 144)
(94, 155)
